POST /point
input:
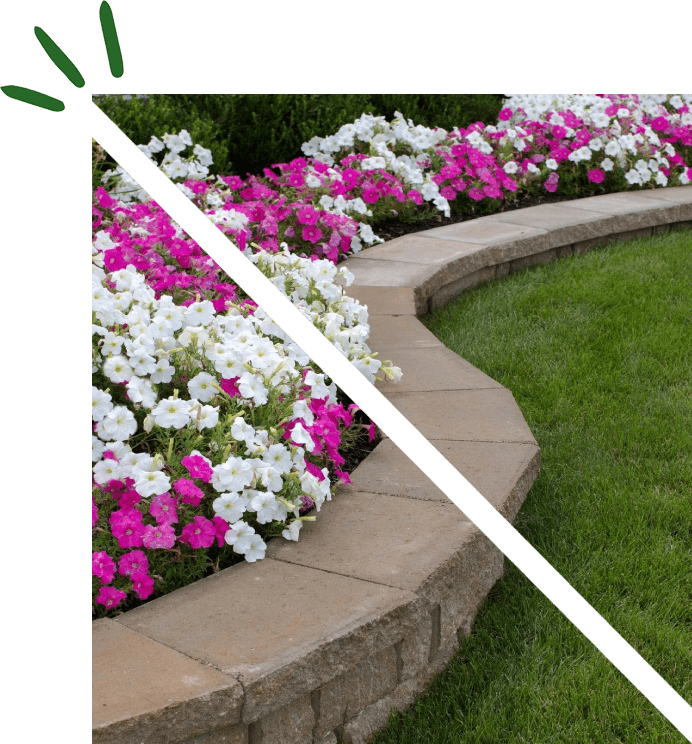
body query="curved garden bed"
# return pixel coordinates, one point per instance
(358, 616)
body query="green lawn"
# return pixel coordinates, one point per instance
(597, 350)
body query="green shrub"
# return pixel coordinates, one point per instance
(249, 132)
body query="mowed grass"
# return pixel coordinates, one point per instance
(597, 350)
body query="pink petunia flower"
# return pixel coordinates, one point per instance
(163, 509)
(371, 195)
(198, 467)
(128, 529)
(200, 533)
(94, 513)
(190, 493)
(596, 175)
(161, 536)
(133, 562)
(314, 470)
(110, 597)
(228, 385)
(103, 566)
(505, 114)
(308, 216)
(415, 196)
(142, 584)
(222, 527)
(311, 233)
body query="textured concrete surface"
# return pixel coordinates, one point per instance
(153, 691)
(291, 649)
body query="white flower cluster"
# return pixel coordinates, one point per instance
(386, 139)
(163, 339)
(624, 146)
(312, 286)
(173, 165)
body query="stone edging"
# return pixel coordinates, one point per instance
(326, 635)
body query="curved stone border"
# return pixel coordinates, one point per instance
(326, 635)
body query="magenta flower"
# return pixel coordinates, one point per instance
(94, 513)
(343, 477)
(221, 526)
(228, 385)
(142, 584)
(660, 123)
(371, 195)
(200, 533)
(415, 196)
(371, 432)
(314, 470)
(551, 182)
(133, 562)
(312, 233)
(161, 536)
(128, 530)
(596, 175)
(448, 192)
(476, 194)
(505, 114)
(103, 566)
(198, 467)
(110, 597)
(189, 491)
(308, 216)
(163, 509)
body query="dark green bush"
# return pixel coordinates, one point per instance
(249, 132)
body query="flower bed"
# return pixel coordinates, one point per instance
(205, 415)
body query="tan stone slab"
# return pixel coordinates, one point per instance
(388, 333)
(474, 415)
(425, 547)
(635, 209)
(385, 539)
(144, 691)
(373, 273)
(501, 471)
(680, 194)
(384, 300)
(282, 630)
(434, 369)
(420, 248)
(565, 225)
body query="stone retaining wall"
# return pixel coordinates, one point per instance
(325, 636)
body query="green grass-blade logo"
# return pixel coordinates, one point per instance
(110, 36)
(33, 97)
(61, 60)
(66, 66)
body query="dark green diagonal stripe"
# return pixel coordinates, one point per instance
(59, 57)
(33, 97)
(110, 36)
(390, 420)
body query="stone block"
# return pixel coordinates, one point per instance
(453, 289)
(311, 626)
(489, 415)
(237, 734)
(384, 300)
(144, 690)
(436, 368)
(349, 694)
(502, 472)
(387, 540)
(388, 332)
(292, 724)
(563, 224)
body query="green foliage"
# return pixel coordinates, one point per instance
(249, 132)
